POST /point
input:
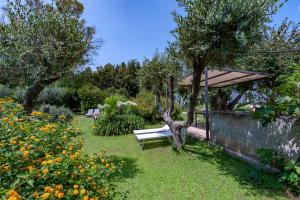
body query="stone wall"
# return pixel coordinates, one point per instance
(240, 133)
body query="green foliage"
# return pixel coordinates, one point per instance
(5, 91)
(271, 157)
(283, 100)
(118, 125)
(46, 161)
(52, 95)
(71, 98)
(213, 30)
(39, 43)
(58, 113)
(19, 94)
(117, 118)
(90, 97)
(146, 107)
(291, 176)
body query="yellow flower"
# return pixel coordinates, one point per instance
(35, 195)
(107, 165)
(30, 168)
(13, 195)
(45, 171)
(64, 152)
(76, 192)
(25, 154)
(59, 187)
(13, 142)
(75, 186)
(44, 163)
(82, 170)
(102, 160)
(48, 189)
(85, 198)
(45, 196)
(58, 159)
(83, 191)
(60, 195)
(5, 119)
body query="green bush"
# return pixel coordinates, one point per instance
(19, 94)
(42, 160)
(291, 176)
(5, 91)
(90, 97)
(52, 95)
(146, 107)
(58, 113)
(118, 125)
(118, 118)
(71, 99)
(114, 91)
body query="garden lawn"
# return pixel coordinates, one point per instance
(160, 173)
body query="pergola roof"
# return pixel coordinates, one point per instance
(225, 77)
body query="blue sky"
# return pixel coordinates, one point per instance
(134, 29)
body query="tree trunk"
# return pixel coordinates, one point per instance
(31, 95)
(198, 68)
(171, 95)
(175, 127)
(34, 91)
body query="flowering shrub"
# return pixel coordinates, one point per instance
(117, 118)
(42, 160)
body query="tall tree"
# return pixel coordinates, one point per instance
(209, 33)
(41, 43)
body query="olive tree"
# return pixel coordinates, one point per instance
(210, 33)
(40, 43)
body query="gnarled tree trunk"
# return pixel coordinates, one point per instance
(198, 68)
(33, 93)
(175, 127)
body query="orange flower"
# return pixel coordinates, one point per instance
(48, 189)
(85, 198)
(25, 154)
(75, 186)
(45, 171)
(30, 168)
(59, 187)
(60, 195)
(13, 142)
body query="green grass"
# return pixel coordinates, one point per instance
(159, 172)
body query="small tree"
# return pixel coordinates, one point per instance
(41, 43)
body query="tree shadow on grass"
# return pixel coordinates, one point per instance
(129, 170)
(155, 144)
(241, 171)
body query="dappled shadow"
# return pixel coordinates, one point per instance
(155, 144)
(130, 168)
(241, 171)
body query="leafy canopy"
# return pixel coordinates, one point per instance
(40, 42)
(214, 29)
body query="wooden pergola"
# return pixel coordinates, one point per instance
(219, 79)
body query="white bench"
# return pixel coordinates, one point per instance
(152, 134)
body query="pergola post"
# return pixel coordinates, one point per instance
(206, 105)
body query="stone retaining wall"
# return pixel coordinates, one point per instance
(242, 134)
